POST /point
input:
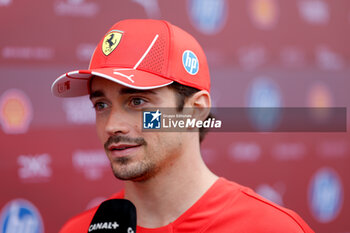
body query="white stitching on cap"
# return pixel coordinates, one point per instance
(138, 63)
(126, 84)
(147, 51)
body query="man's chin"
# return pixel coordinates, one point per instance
(122, 160)
(132, 177)
(129, 174)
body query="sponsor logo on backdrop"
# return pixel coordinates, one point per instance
(319, 96)
(289, 151)
(292, 57)
(34, 168)
(264, 93)
(76, 8)
(264, 13)
(151, 8)
(314, 11)
(16, 112)
(252, 57)
(5, 2)
(28, 53)
(327, 59)
(20, 216)
(79, 110)
(325, 195)
(244, 152)
(84, 51)
(92, 163)
(208, 16)
(333, 149)
(273, 193)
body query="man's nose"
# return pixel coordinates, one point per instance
(117, 123)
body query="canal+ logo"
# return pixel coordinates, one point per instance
(190, 62)
(152, 119)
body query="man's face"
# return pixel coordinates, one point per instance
(134, 155)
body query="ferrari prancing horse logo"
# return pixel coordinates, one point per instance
(111, 41)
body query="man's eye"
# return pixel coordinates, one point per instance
(99, 106)
(137, 101)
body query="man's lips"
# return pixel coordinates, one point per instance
(123, 150)
(117, 143)
(121, 147)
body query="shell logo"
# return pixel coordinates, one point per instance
(320, 100)
(16, 112)
(264, 13)
(320, 96)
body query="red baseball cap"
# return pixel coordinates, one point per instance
(141, 54)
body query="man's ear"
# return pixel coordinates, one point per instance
(200, 103)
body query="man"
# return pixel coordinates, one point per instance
(154, 64)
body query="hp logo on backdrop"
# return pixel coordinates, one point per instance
(325, 195)
(190, 62)
(21, 216)
(208, 16)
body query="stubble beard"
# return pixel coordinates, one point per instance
(141, 169)
(125, 169)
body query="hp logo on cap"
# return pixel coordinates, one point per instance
(190, 62)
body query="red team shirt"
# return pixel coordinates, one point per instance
(225, 208)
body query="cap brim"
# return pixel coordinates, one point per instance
(75, 83)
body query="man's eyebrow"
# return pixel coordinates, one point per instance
(96, 94)
(124, 91)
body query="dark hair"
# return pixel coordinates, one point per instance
(183, 92)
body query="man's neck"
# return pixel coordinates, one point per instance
(162, 199)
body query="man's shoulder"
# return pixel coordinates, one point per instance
(81, 222)
(250, 209)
